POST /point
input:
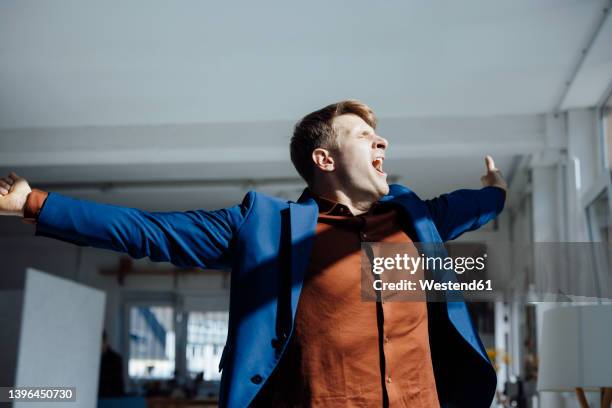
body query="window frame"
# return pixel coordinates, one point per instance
(601, 129)
(132, 299)
(184, 349)
(603, 183)
(181, 310)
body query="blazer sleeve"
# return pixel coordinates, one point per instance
(465, 210)
(187, 239)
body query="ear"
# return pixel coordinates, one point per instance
(323, 160)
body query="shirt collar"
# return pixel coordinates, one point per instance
(331, 207)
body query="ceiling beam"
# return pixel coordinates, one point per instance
(258, 142)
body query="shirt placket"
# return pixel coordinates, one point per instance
(365, 235)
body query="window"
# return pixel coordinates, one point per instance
(598, 218)
(606, 123)
(174, 338)
(151, 342)
(598, 211)
(206, 335)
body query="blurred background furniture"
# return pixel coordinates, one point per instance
(50, 323)
(577, 355)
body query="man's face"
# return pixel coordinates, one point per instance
(359, 159)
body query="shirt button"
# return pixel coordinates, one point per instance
(364, 235)
(256, 379)
(389, 380)
(386, 340)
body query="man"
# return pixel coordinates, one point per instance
(299, 334)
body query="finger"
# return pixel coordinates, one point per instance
(3, 191)
(13, 176)
(4, 184)
(490, 163)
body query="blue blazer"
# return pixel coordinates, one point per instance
(266, 242)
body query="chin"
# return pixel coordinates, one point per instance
(382, 190)
(385, 190)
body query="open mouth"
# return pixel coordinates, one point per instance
(378, 165)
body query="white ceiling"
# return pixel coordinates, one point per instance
(206, 93)
(75, 62)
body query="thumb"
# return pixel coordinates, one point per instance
(489, 163)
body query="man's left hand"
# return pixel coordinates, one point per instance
(493, 177)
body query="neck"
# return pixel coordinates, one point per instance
(357, 205)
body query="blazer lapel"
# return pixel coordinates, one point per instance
(416, 211)
(432, 245)
(303, 220)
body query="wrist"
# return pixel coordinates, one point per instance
(503, 189)
(33, 204)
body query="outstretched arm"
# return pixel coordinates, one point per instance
(466, 210)
(192, 238)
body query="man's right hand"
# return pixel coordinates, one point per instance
(14, 192)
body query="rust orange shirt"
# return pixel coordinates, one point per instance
(346, 352)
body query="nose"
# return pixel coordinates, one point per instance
(380, 143)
